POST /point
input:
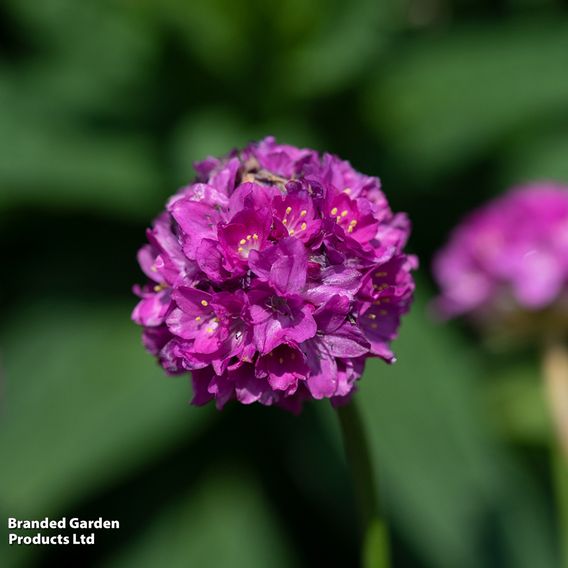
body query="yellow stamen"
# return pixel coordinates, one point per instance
(350, 229)
(255, 237)
(204, 303)
(344, 213)
(334, 211)
(372, 316)
(347, 190)
(303, 226)
(249, 237)
(240, 249)
(303, 213)
(292, 232)
(284, 221)
(243, 242)
(353, 223)
(198, 318)
(288, 210)
(380, 274)
(209, 330)
(153, 268)
(337, 219)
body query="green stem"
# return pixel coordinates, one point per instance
(375, 544)
(560, 478)
(555, 370)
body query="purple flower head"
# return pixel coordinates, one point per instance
(273, 278)
(509, 257)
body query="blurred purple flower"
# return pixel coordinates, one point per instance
(273, 277)
(511, 255)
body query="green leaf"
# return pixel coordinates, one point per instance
(83, 405)
(218, 33)
(111, 52)
(45, 161)
(322, 63)
(208, 132)
(517, 406)
(438, 472)
(537, 157)
(446, 100)
(224, 521)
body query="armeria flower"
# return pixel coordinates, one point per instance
(273, 277)
(509, 259)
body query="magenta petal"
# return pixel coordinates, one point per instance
(279, 271)
(322, 381)
(211, 261)
(332, 314)
(200, 379)
(153, 309)
(283, 265)
(333, 280)
(346, 341)
(284, 366)
(278, 320)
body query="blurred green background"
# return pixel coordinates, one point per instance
(104, 105)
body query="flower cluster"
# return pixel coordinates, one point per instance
(510, 256)
(273, 277)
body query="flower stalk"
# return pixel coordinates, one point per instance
(555, 372)
(375, 544)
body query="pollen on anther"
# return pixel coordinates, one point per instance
(288, 210)
(240, 249)
(243, 242)
(249, 237)
(303, 226)
(380, 274)
(198, 318)
(372, 316)
(209, 330)
(347, 190)
(334, 211)
(255, 237)
(204, 303)
(292, 232)
(303, 213)
(344, 213)
(284, 221)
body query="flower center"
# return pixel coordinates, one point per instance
(293, 221)
(247, 244)
(344, 219)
